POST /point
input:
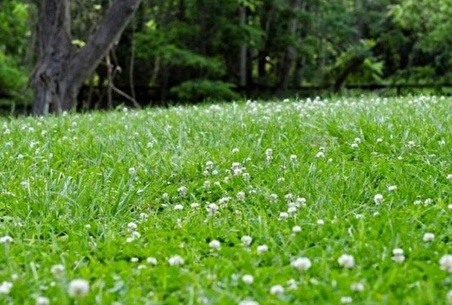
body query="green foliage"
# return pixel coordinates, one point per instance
(198, 90)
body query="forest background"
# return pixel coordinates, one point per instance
(187, 51)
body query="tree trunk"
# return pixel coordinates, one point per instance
(290, 54)
(243, 50)
(61, 69)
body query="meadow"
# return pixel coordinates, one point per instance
(339, 201)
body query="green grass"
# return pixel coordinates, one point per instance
(70, 186)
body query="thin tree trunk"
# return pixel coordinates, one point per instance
(243, 51)
(60, 69)
(290, 54)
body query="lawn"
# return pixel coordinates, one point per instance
(338, 201)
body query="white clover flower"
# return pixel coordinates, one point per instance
(42, 301)
(5, 287)
(235, 150)
(378, 198)
(132, 171)
(212, 208)
(178, 207)
(392, 188)
(320, 154)
(144, 216)
(301, 263)
(398, 256)
(248, 302)
(446, 263)
(300, 202)
(320, 222)
(241, 196)
(276, 289)
(57, 270)
(246, 240)
(449, 177)
(357, 287)
(134, 260)
(449, 296)
(6, 239)
(207, 184)
(296, 229)
(354, 145)
(292, 284)
(261, 249)
(182, 191)
(428, 237)
(194, 205)
(346, 300)
(215, 244)
(132, 226)
(281, 179)
(428, 201)
(288, 197)
(78, 288)
(379, 140)
(248, 279)
(293, 158)
(346, 261)
(151, 261)
(273, 198)
(283, 215)
(176, 260)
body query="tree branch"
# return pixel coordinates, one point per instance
(111, 27)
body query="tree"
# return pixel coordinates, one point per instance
(62, 68)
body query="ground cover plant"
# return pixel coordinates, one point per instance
(312, 201)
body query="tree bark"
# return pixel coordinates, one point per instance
(61, 69)
(290, 54)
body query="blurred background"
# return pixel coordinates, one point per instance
(189, 51)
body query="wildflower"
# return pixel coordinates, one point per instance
(132, 171)
(248, 279)
(378, 198)
(428, 237)
(273, 198)
(300, 202)
(6, 287)
(292, 284)
(288, 197)
(248, 302)
(346, 261)
(446, 263)
(398, 256)
(212, 208)
(301, 263)
(281, 179)
(134, 260)
(246, 240)
(6, 239)
(346, 300)
(207, 184)
(42, 301)
(320, 222)
(428, 201)
(357, 287)
(320, 154)
(449, 177)
(194, 205)
(379, 140)
(262, 248)
(215, 244)
(283, 215)
(392, 188)
(57, 270)
(176, 260)
(293, 158)
(296, 229)
(182, 191)
(78, 288)
(449, 296)
(132, 226)
(241, 196)
(354, 145)
(276, 289)
(178, 207)
(235, 150)
(246, 176)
